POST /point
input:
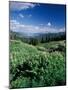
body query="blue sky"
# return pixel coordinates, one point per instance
(36, 17)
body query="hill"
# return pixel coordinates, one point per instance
(31, 67)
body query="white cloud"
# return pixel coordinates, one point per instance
(20, 6)
(41, 24)
(29, 15)
(49, 24)
(26, 16)
(21, 15)
(62, 29)
(28, 29)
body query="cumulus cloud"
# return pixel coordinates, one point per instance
(49, 24)
(20, 6)
(28, 29)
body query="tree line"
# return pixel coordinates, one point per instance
(42, 38)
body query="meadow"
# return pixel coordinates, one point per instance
(37, 65)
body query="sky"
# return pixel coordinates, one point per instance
(36, 17)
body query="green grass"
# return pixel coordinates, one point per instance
(34, 66)
(52, 44)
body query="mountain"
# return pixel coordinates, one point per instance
(41, 37)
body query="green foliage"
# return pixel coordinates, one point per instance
(41, 48)
(30, 67)
(33, 41)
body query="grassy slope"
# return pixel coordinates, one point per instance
(21, 51)
(48, 68)
(50, 44)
